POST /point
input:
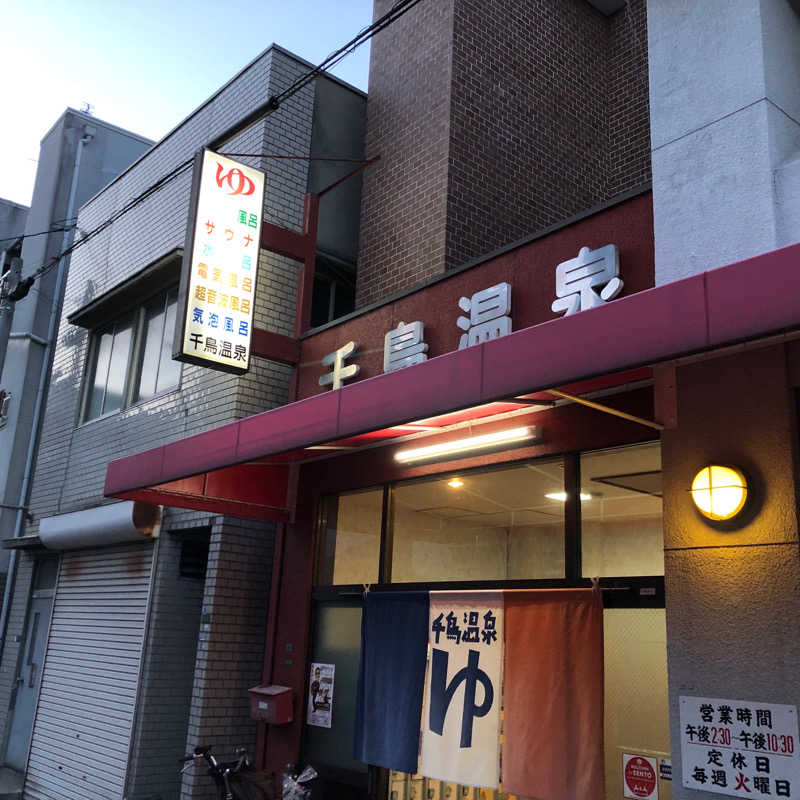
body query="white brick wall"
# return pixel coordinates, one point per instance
(73, 457)
(72, 460)
(230, 652)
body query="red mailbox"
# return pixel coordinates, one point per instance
(272, 704)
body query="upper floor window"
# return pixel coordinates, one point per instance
(130, 359)
(334, 290)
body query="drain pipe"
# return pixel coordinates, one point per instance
(44, 376)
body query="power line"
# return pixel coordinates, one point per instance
(155, 187)
(296, 158)
(25, 284)
(38, 233)
(70, 227)
(129, 206)
(398, 10)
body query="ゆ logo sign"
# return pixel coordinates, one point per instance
(442, 693)
(236, 180)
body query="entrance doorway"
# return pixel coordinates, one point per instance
(337, 641)
(29, 673)
(554, 522)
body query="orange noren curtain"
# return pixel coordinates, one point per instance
(553, 695)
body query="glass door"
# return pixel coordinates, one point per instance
(331, 701)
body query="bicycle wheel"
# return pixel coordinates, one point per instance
(240, 792)
(244, 788)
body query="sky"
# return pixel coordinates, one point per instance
(145, 65)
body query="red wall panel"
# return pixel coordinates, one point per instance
(530, 269)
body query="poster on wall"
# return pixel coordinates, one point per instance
(320, 695)
(741, 748)
(639, 776)
(214, 322)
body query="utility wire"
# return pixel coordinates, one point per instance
(296, 158)
(24, 286)
(228, 155)
(39, 233)
(398, 10)
(67, 222)
(130, 205)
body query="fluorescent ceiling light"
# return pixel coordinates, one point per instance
(562, 496)
(459, 446)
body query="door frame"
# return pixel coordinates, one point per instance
(33, 594)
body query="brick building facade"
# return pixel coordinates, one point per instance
(697, 361)
(538, 108)
(511, 158)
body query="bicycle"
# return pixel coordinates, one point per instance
(231, 777)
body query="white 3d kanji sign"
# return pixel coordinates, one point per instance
(578, 278)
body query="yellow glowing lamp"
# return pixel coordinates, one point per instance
(719, 492)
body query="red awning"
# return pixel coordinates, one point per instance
(242, 468)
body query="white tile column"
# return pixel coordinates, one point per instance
(725, 130)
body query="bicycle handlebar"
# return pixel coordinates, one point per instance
(215, 767)
(227, 775)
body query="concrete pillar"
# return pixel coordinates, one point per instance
(733, 605)
(725, 130)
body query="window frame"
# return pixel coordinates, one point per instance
(638, 591)
(90, 367)
(140, 341)
(332, 275)
(133, 366)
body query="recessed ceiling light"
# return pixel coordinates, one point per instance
(455, 483)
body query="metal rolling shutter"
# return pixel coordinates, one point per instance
(82, 729)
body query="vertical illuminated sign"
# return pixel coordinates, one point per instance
(220, 264)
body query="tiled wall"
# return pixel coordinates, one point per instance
(230, 650)
(168, 667)
(73, 457)
(492, 122)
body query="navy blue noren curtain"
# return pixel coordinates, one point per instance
(391, 679)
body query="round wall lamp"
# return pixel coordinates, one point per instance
(719, 492)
